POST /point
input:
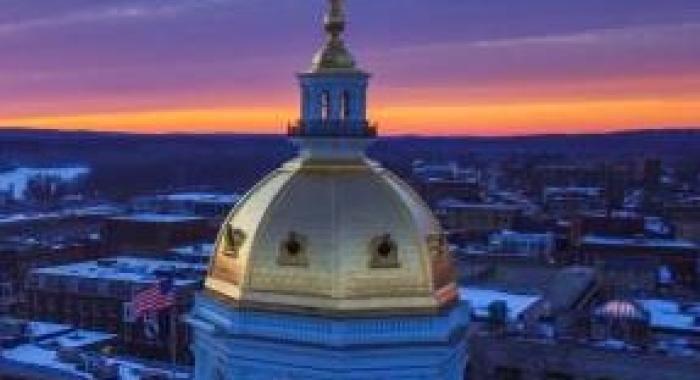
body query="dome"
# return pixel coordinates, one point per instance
(621, 320)
(622, 311)
(333, 236)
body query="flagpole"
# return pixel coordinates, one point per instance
(173, 335)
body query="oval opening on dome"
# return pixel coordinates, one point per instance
(383, 252)
(292, 251)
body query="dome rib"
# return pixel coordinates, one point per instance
(266, 215)
(420, 232)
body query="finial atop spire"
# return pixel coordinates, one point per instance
(335, 18)
(334, 54)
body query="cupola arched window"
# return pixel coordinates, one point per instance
(325, 105)
(345, 105)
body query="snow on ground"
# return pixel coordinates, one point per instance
(128, 269)
(41, 358)
(16, 180)
(80, 338)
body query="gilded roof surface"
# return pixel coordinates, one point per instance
(332, 232)
(338, 215)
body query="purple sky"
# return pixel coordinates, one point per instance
(77, 56)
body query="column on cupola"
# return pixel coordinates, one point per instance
(337, 103)
(358, 101)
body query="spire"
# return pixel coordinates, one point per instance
(334, 55)
(335, 19)
(333, 97)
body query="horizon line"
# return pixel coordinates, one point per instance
(658, 129)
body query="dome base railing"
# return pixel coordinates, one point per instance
(332, 128)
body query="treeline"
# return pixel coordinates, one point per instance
(124, 165)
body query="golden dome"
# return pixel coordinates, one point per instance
(332, 232)
(333, 236)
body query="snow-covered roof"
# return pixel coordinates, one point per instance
(589, 191)
(38, 330)
(510, 234)
(657, 225)
(78, 339)
(127, 269)
(480, 299)
(149, 217)
(43, 358)
(638, 242)
(201, 250)
(201, 197)
(97, 210)
(669, 315)
(456, 203)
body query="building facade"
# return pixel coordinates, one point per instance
(154, 232)
(96, 295)
(476, 221)
(643, 265)
(584, 334)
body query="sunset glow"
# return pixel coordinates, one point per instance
(583, 116)
(228, 66)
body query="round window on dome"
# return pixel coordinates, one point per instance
(385, 249)
(383, 252)
(293, 251)
(293, 247)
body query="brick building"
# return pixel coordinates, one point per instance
(96, 295)
(640, 265)
(152, 232)
(476, 221)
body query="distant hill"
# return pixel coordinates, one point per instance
(124, 164)
(618, 144)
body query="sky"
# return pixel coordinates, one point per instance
(440, 67)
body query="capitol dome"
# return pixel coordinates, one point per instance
(331, 261)
(338, 236)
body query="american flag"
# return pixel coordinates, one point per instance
(159, 296)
